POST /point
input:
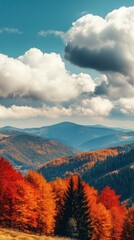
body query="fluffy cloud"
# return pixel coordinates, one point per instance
(44, 77)
(126, 105)
(94, 107)
(105, 44)
(22, 112)
(115, 86)
(41, 76)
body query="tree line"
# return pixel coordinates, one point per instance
(68, 207)
(115, 172)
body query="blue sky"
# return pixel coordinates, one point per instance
(31, 16)
(20, 25)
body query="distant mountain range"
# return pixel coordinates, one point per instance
(25, 151)
(78, 136)
(113, 167)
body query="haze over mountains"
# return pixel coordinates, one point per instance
(78, 136)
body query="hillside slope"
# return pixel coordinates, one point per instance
(109, 141)
(26, 151)
(113, 167)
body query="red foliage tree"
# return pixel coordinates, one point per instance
(8, 190)
(109, 198)
(111, 202)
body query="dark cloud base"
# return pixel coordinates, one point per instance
(101, 89)
(104, 59)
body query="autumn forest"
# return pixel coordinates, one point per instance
(68, 208)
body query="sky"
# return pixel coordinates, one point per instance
(67, 61)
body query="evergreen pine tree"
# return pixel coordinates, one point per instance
(82, 213)
(68, 211)
(75, 218)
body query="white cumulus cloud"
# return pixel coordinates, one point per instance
(109, 39)
(22, 112)
(41, 76)
(94, 107)
(126, 105)
(107, 45)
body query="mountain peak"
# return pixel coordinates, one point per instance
(66, 123)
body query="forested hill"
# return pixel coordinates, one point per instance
(113, 167)
(27, 151)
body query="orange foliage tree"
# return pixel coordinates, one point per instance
(101, 217)
(91, 194)
(101, 222)
(46, 207)
(59, 188)
(25, 215)
(128, 227)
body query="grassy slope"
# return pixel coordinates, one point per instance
(6, 234)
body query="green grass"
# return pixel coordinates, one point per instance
(7, 234)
